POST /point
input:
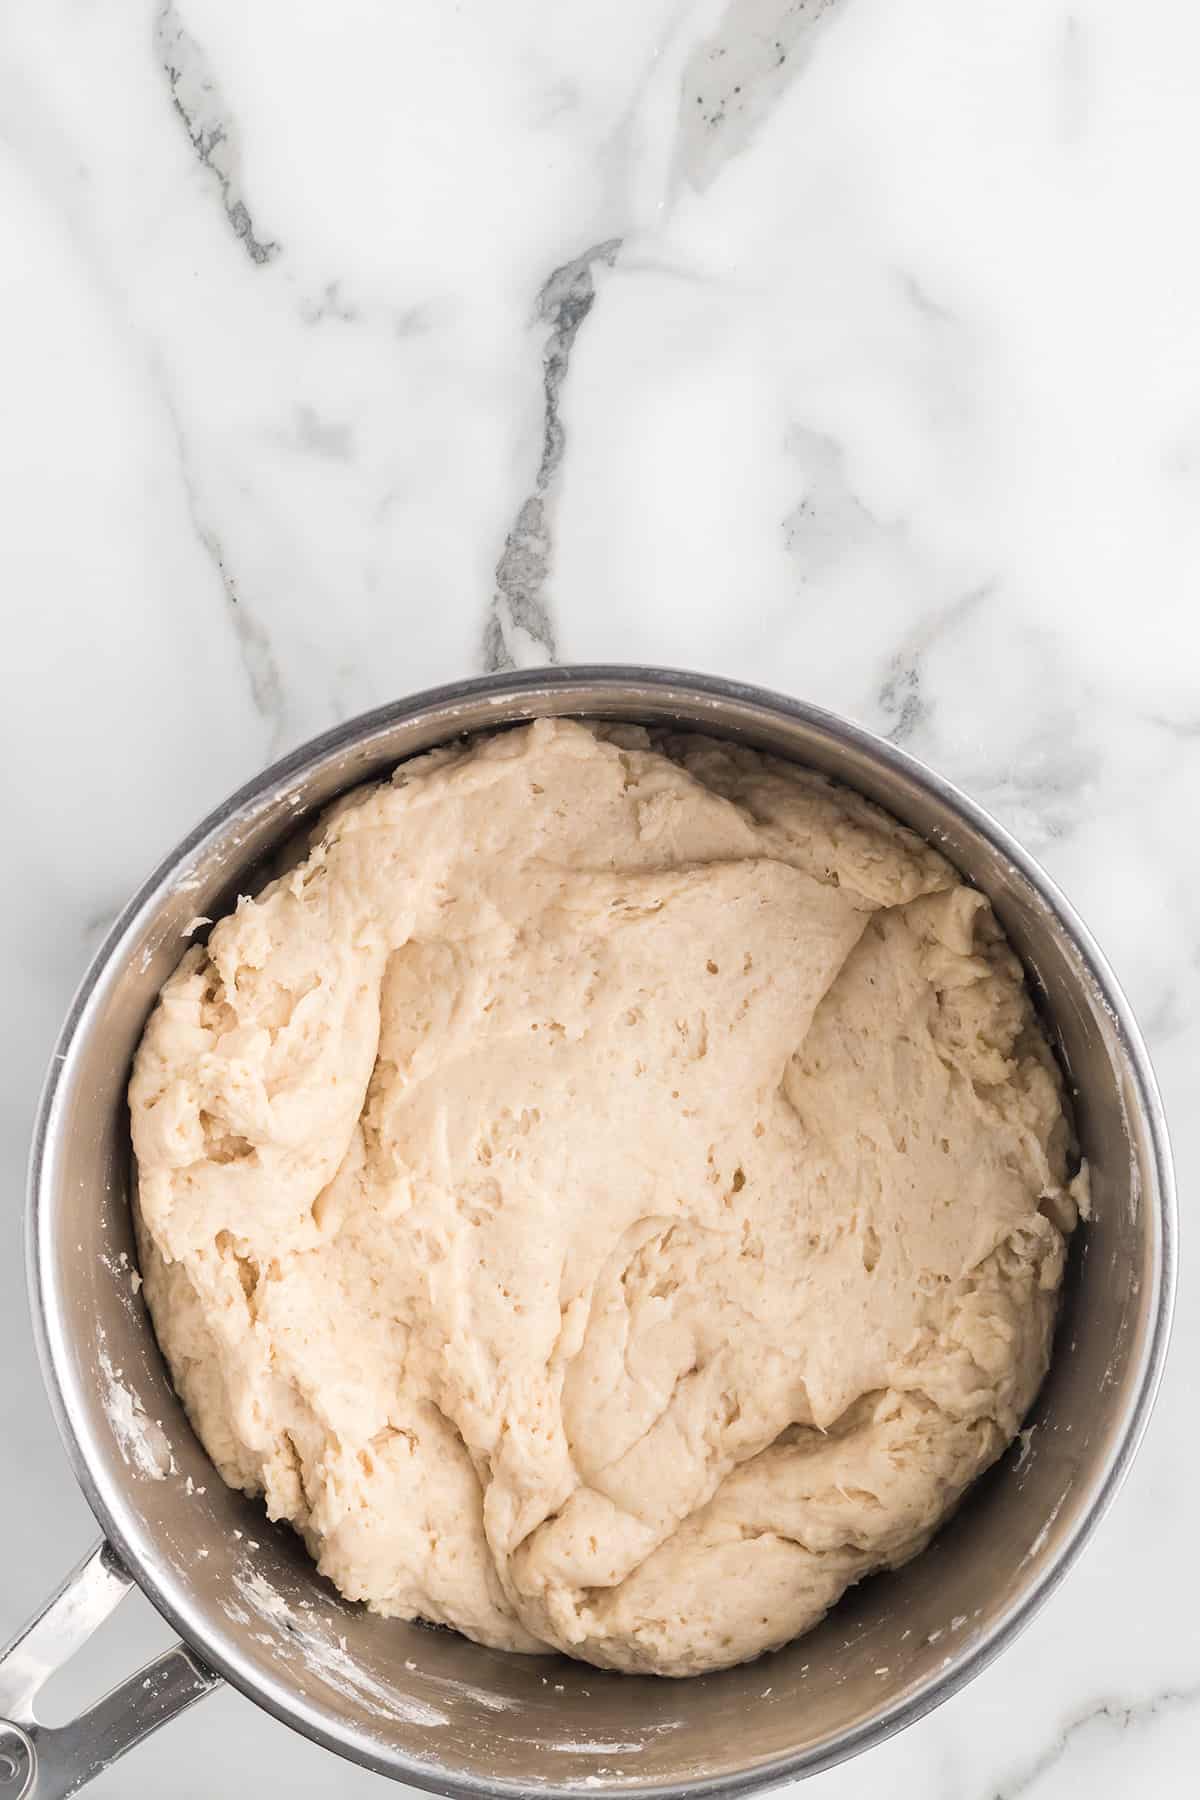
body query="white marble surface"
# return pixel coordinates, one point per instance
(883, 332)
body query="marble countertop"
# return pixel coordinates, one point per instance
(845, 346)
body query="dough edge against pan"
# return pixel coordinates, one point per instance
(776, 1510)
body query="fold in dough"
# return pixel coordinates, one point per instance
(608, 1193)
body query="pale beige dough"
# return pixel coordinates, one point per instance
(609, 1194)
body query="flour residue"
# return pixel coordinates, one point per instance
(476, 1695)
(581, 1747)
(143, 1441)
(122, 1272)
(1044, 1533)
(591, 1747)
(326, 1654)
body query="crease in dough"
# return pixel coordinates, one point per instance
(608, 1192)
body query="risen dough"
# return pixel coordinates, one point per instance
(609, 1194)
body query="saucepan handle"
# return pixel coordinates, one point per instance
(48, 1762)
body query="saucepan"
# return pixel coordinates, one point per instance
(424, 1705)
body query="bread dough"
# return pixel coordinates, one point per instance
(608, 1193)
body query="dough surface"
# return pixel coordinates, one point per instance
(609, 1193)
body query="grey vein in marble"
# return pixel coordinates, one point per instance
(1041, 788)
(254, 644)
(734, 78)
(1185, 728)
(519, 630)
(1111, 1714)
(198, 100)
(921, 300)
(329, 304)
(900, 697)
(1043, 793)
(831, 517)
(318, 436)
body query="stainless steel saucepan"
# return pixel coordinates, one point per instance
(426, 1706)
